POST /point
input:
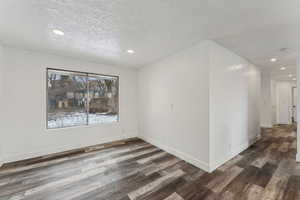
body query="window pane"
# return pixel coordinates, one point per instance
(67, 94)
(104, 99)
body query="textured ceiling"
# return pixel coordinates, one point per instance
(102, 30)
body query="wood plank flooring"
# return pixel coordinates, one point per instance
(136, 170)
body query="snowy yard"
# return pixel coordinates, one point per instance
(60, 120)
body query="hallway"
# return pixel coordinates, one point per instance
(138, 170)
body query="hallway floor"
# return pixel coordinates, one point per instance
(137, 170)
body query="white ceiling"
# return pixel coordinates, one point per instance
(102, 30)
(278, 75)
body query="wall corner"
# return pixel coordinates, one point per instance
(298, 109)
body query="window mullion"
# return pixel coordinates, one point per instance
(88, 99)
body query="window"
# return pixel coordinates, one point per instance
(77, 98)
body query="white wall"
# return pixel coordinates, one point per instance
(200, 105)
(284, 101)
(25, 106)
(173, 104)
(197, 104)
(234, 104)
(298, 109)
(266, 111)
(1, 98)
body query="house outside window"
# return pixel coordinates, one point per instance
(79, 98)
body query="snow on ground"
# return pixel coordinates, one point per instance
(61, 120)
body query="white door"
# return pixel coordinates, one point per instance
(284, 103)
(295, 104)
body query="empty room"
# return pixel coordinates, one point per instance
(149, 100)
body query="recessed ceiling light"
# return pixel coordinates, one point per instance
(282, 68)
(58, 32)
(273, 59)
(130, 51)
(290, 75)
(294, 79)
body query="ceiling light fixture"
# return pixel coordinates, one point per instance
(273, 59)
(294, 79)
(58, 32)
(130, 51)
(290, 75)
(282, 68)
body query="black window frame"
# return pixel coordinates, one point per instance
(87, 111)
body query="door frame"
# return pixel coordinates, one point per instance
(294, 111)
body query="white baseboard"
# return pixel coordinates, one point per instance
(266, 126)
(208, 167)
(198, 163)
(228, 157)
(234, 152)
(12, 157)
(184, 156)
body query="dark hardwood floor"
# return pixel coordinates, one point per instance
(137, 170)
